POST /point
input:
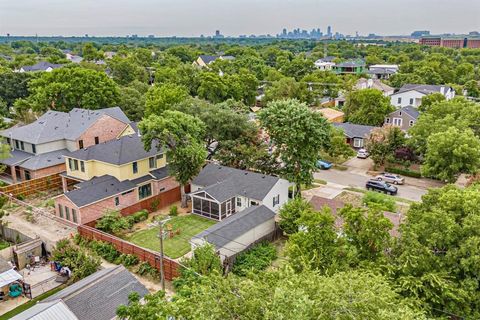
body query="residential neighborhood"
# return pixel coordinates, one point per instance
(318, 174)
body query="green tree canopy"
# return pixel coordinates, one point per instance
(164, 97)
(367, 106)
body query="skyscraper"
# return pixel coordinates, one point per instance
(329, 31)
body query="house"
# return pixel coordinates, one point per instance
(238, 232)
(40, 66)
(323, 65)
(219, 192)
(37, 148)
(95, 297)
(350, 67)
(404, 118)
(382, 71)
(205, 60)
(412, 94)
(355, 134)
(111, 176)
(73, 58)
(363, 83)
(332, 115)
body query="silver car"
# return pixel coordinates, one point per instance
(391, 178)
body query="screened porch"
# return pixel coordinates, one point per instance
(205, 205)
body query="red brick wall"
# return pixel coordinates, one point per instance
(48, 171)
(167, 184)
(105, 128)
(473, 43)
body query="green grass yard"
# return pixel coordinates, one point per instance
(177, 246)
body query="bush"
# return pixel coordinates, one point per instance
(140, 216)
(382, 201)
(128, 260)
(154, 205)
(113, 222)
(290, 213)
(81, 264)
(404, 172)
(105, 250)
(174, 211)
(256, 259)
(146, 269)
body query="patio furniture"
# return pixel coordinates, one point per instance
(15, 290)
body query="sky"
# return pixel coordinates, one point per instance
(234, 17)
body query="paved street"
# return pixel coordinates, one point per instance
(356, 178)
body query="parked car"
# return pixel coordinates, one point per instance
(391, 178)
(381, 186)
(324, 165)
(362, 154)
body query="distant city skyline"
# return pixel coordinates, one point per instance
(234, 18)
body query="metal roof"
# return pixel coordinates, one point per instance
(54, 310)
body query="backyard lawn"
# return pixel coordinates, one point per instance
(177, 246)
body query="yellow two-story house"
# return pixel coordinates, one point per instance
(114, 175)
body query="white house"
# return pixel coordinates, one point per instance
(382, 71)
(412, 94)
(219, 192)
(324, 65)
(363, 83)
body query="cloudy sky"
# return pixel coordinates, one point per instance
(234, 17)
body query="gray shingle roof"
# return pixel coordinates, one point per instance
(355, 130)
(99, 295)
(350, 64)
(42, 66)
(160, 173)
(118, 151)
(45, 160)
(97, 189)
(207, 58)
(236, 225)
(410, 110)
(228, 182)
(54, 125)
(422, 88)
(53, 310)
(16, 157)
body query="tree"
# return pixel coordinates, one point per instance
(451, 153)
(307, 295)
(473, 89)
(90, 52)
(13, 86)
(436, 259)
(383, 142)
(181, 134)
(298, 134)
(367, 106)
(212, 87)
(163, 97)
(126, 70)
(339, 149)
(430, 99)
(291, 212)
(81, 263)
(67, 88)
(132, 102)
(287, 88)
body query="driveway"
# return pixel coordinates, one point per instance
(355, 177)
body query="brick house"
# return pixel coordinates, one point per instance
(111, 176)
(37, 149)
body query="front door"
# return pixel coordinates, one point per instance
(229, 208)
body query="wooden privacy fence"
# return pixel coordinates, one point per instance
(170, 267)
(32, 187)
(154, 203)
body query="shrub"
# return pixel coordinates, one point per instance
(128, 260)
(146, 269)
(81, 264)
(20, 197)
(382, 201)
(140, 216)
(105, 250)
(405, 172)
(256, 259)
(113, 222)
(290, 213)
(154, 205)
(174, 211)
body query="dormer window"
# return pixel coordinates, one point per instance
(97, 140)
(80, 144)
(17, 144)
(34, 148)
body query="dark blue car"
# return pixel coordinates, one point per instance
(324, 165)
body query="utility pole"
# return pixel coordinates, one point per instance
(160, 231)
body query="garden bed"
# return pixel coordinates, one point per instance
(183, 229)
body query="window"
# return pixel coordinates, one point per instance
(82, 166)
(400, 113)
(97, 140)
(239, 202)
(357, 142)
(80, 144)
(22, 145)
(135, 167)
(411, 101)
(34, 148)
(159, 156)
(17, 145)
(399, 100)
(74, 215)
(60, 211)
(8, 140)
(67, 213)
(75, 164)
(152, 162)
(117, 201)
(410, 123)
(144, 191)
(276, 200)
(397, 122)
(27, 175)
(253, 203)
(70, 163)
